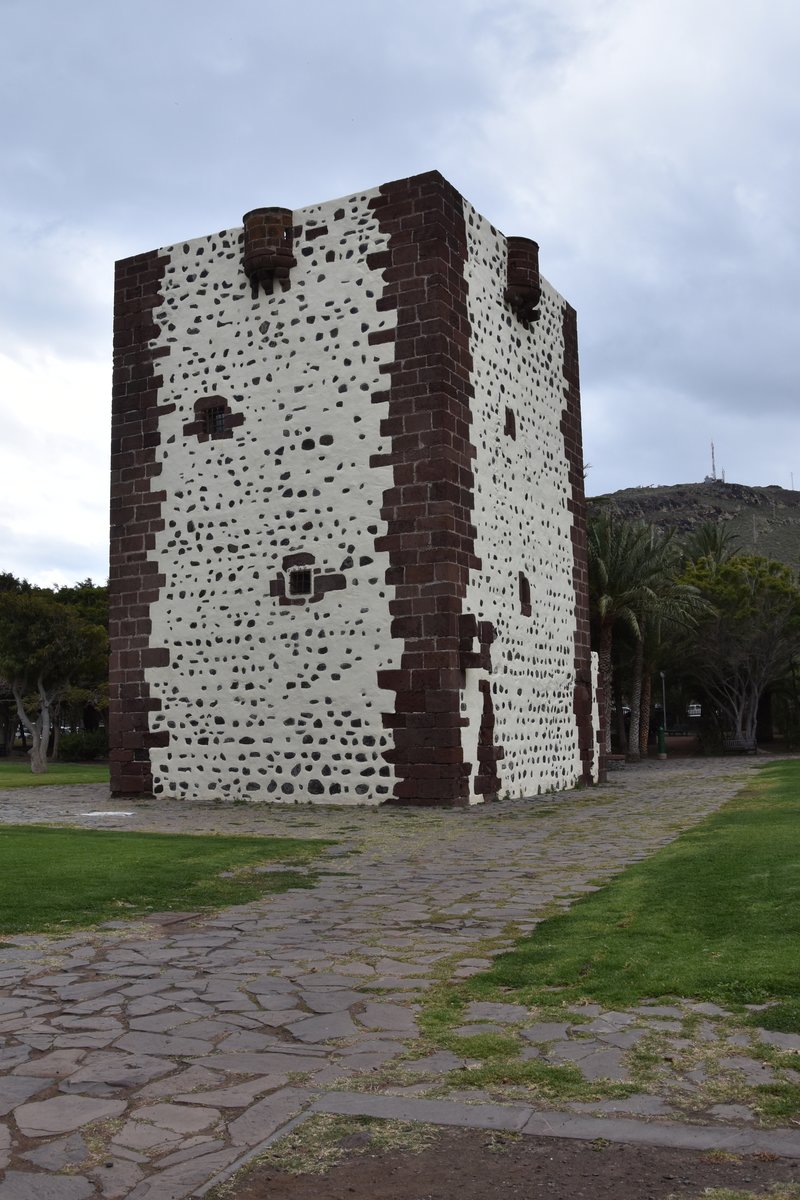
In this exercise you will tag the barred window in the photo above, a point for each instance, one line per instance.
(214, 419)
(300, 582)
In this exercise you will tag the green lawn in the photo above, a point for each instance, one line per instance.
(60, 879)
(715, 916)
(16, 772)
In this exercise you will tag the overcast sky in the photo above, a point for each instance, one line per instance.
(649, 146)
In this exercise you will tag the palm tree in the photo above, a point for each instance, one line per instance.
(633, 584)
(618, 590)
(713, 541)
(673, 606)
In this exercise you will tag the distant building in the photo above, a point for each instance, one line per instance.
(348, 552)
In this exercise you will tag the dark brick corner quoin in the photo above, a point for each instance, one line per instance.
(573, 448)
(136, 502)
(430, 537)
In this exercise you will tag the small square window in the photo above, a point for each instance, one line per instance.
(214, 419)
(300, 582)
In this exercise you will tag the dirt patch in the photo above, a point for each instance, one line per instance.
(474, 1165)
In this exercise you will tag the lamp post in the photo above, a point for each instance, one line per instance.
(662, 733)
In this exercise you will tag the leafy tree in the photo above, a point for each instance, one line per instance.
(8, 717)
(750, 637)
(84, 701)
(10, 583)
(43, 644)
(90, 601)
(8, 713)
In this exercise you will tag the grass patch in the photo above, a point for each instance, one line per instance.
(496, 1065)
(780, 1191)
(779, 1101)
(444, 1009)
(60, 879)
(483, 1045)
(16, 773)
(781, 1018)
(715, 915)
(325, 1140)
(539, 1079)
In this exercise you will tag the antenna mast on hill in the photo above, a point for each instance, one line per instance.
(713, 463)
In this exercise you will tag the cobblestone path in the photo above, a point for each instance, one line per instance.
(147, 1059)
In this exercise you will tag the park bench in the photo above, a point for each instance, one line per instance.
(742, 744)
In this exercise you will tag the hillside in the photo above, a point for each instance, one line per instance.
(766, 520)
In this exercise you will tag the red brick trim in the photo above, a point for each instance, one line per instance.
(487, 781)
(573, 448)
(430, 537)
(134, 581)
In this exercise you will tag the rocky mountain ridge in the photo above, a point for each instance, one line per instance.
(765, 520)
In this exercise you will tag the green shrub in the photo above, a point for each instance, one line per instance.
(83, 746)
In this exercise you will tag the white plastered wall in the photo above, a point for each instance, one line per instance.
(595, 718)
(264, 701)
(523, 524)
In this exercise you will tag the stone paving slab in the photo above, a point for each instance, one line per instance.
(62, 1114)
(14, 1090)
(434, 1112)
(480, 1010)
(267, 1115)
(783, 1142)
(185, 1043)
(546, 1031)
(64, 1152)
(18, 1185)
(526, 1120)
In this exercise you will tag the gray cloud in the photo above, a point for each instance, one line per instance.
(650, 148)
(52, 557)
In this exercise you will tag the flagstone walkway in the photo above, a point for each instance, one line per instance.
(147, 1059)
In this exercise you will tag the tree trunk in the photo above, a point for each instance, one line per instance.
(56, 738)
(622, 737)
(43, 726)
(644, 719)
(38, 729)
(750, 721)
(606, 679)
(9, 727)
(634, 751)
(38, 757)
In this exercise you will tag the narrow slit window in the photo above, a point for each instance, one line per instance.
(525, 595)
(214, 419)
(511, 425)
(300, 582)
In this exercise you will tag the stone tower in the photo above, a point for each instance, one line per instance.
(348, 554)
